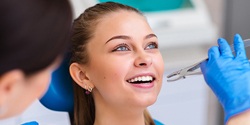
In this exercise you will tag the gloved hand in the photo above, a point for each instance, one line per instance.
(229, 76)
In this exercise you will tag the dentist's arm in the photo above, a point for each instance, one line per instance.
(229, 78)
(241, 119)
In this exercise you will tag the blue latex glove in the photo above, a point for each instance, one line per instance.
(229, 76)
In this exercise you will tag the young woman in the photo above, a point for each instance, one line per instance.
(116, 65)
(34, 36)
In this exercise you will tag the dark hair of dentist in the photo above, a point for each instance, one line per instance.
(34, 36)
(33, 33)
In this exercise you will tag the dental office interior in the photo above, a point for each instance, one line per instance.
(186, 29)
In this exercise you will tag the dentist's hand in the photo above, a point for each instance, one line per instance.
(229, 76)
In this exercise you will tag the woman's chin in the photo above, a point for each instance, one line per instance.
(147, 101)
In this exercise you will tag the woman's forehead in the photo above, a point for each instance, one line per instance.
(121, 22)
(127, 23)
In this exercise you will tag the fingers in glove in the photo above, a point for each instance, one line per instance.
(239, 47)
(213, 53)
(224, 48)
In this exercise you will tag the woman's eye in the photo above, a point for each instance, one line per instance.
(122, 47)
(152, 45)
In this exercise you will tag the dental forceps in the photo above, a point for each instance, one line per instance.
(192, 70)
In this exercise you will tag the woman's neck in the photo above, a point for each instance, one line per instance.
(112, 118)
(105, 115)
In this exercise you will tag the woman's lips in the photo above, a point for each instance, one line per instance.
(145, 80)
(143, 85)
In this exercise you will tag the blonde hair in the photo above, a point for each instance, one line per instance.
(83, 29)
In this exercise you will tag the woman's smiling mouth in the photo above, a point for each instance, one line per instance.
(141, 80)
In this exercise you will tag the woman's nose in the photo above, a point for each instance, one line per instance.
(143, 60)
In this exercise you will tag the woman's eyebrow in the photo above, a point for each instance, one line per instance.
(150, 36)
(127, 37)
(118, 37)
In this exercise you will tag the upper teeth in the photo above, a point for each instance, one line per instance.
(141, 78)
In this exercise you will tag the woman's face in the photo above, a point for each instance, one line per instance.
(126, 66)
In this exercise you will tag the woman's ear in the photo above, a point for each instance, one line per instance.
(78, 74)
(9, 84)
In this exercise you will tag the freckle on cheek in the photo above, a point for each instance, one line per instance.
(104, 77)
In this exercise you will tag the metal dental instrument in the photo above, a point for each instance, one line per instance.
(192, 70)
